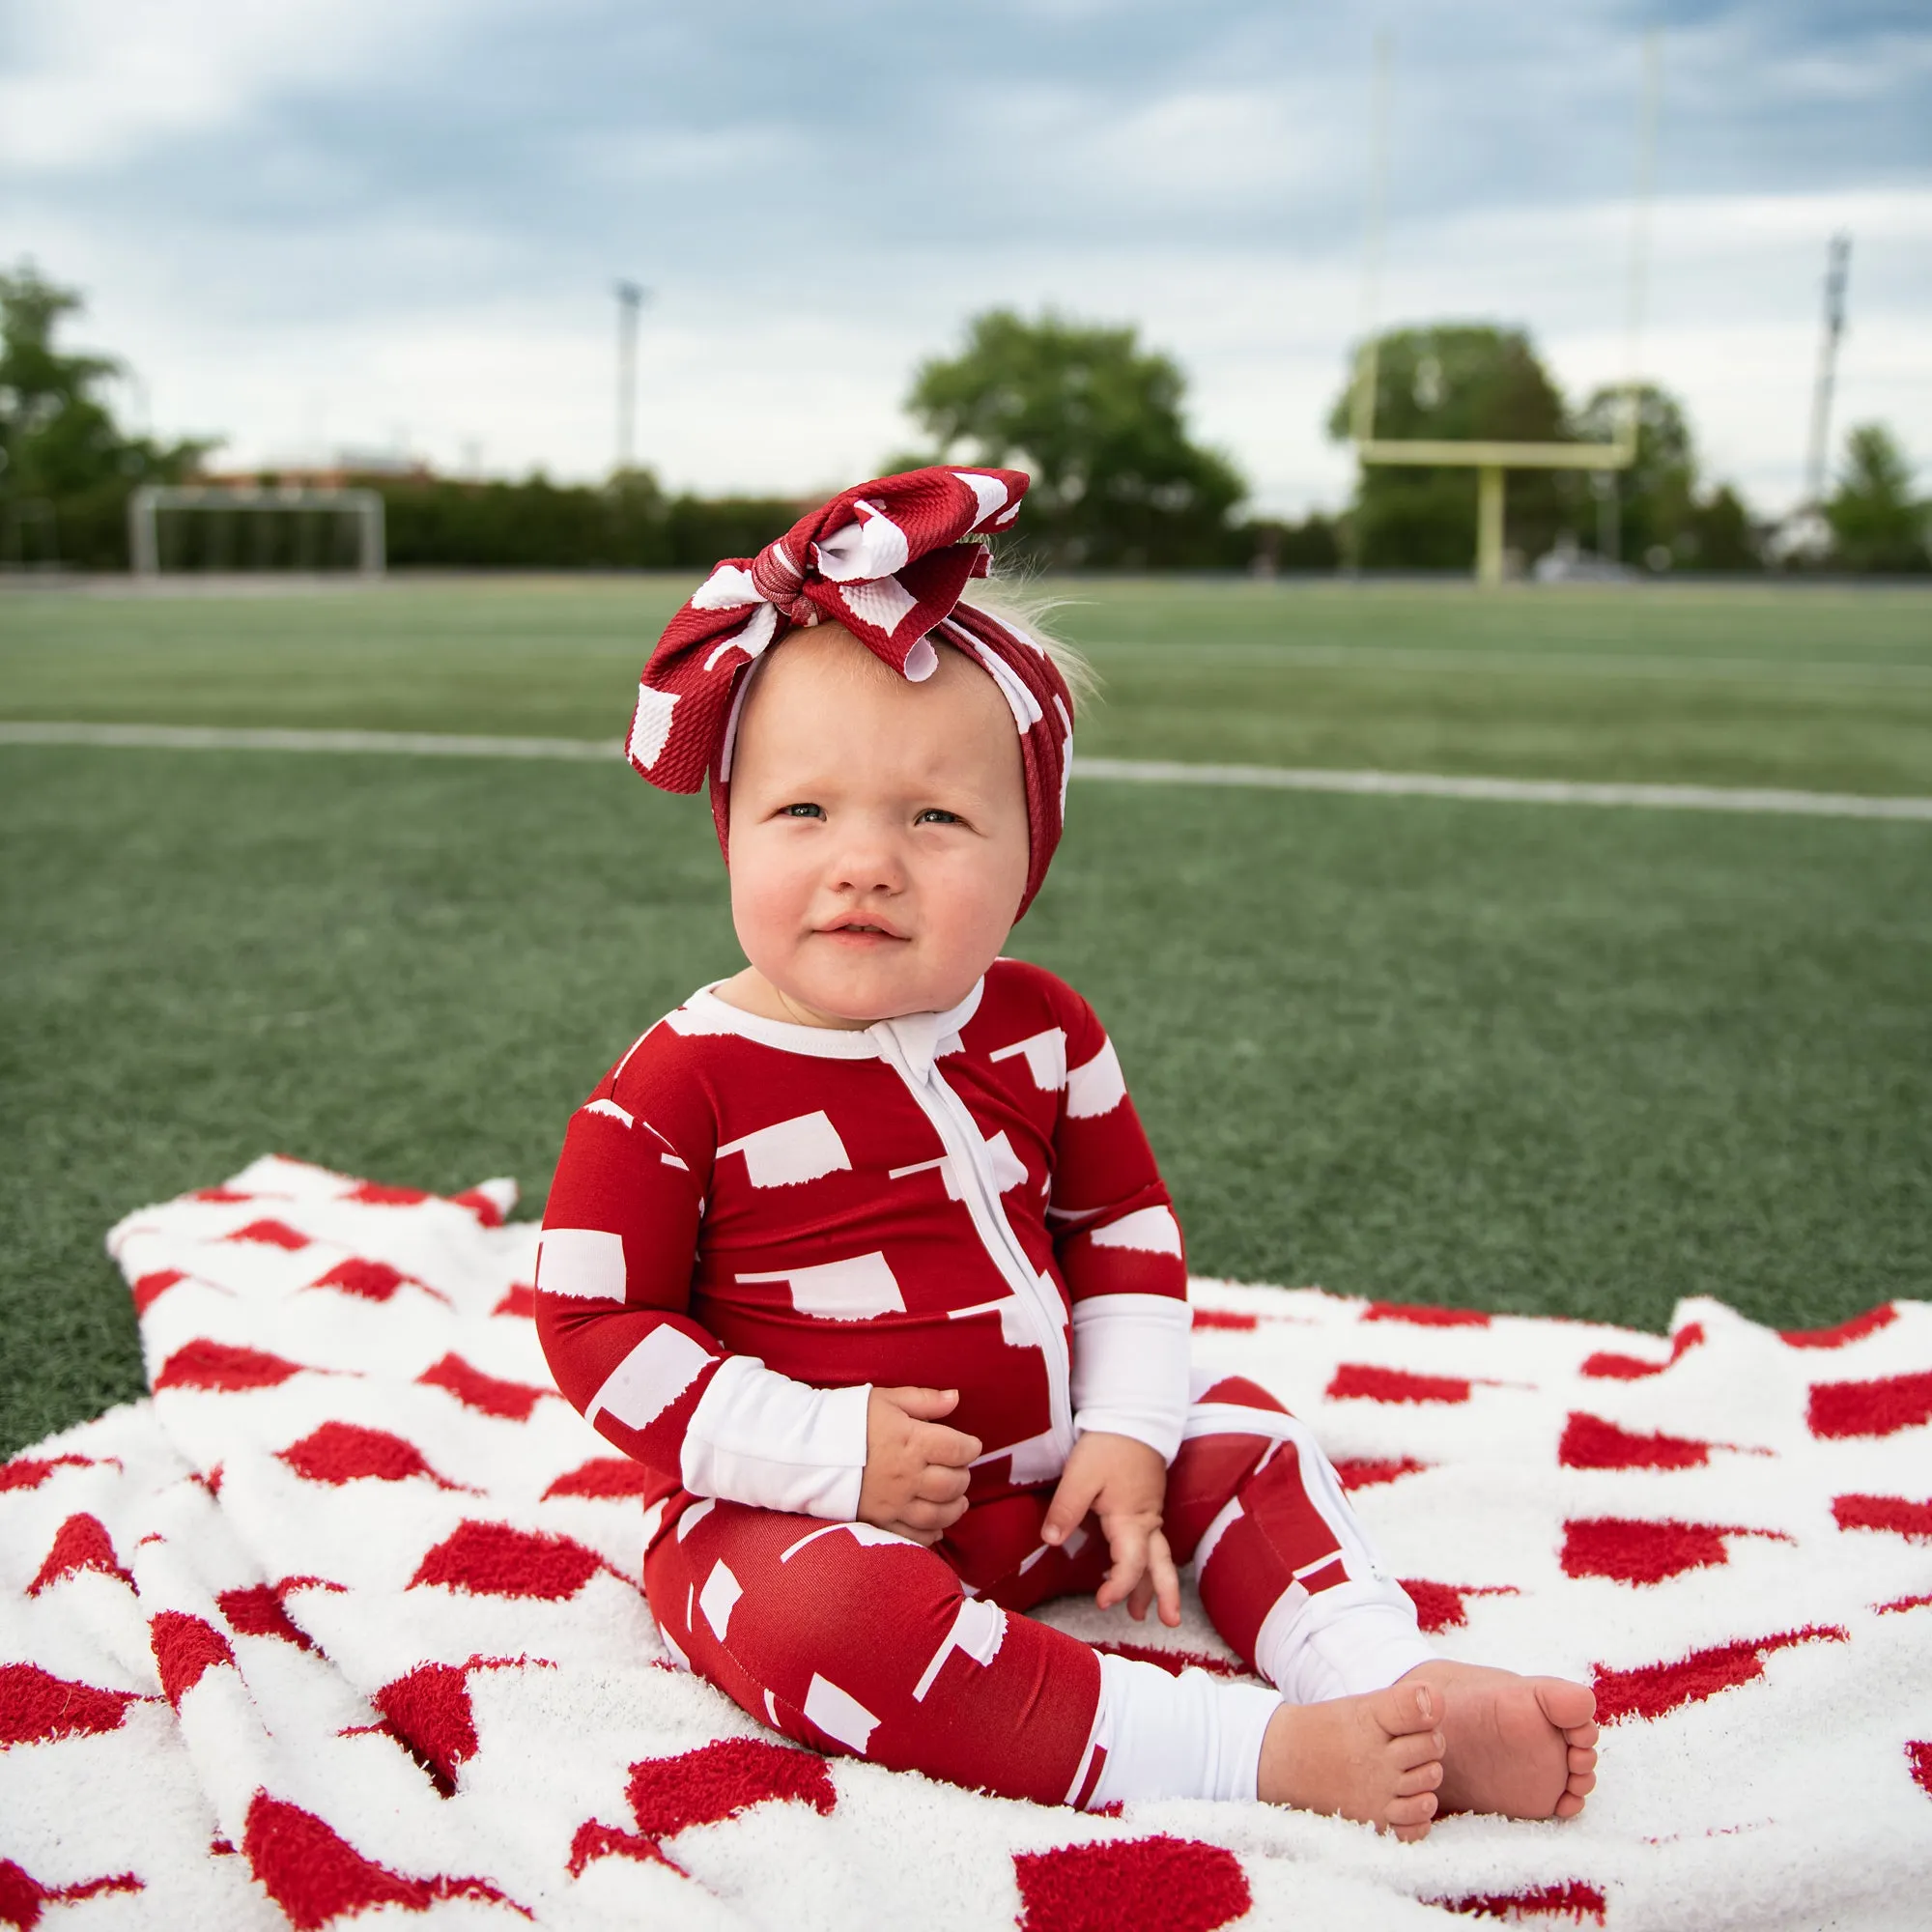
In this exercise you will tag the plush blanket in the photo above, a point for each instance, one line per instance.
(345, 1619)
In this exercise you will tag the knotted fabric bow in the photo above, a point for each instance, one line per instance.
(890, 560)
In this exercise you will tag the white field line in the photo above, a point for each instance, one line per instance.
(1508, 792)
(261, 738)
(1123, 771)
(1555, 664)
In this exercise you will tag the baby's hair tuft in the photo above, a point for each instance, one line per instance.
(1021, 607)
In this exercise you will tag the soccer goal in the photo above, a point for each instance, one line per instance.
(255, 528)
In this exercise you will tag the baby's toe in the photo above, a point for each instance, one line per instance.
(1581, 1759)
(1424, 1777)
(1406, 1710)
(1416, 1747)
(1569, 1804)
(1406, 1813)
(1568, 1706)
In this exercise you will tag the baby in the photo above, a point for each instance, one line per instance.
(863, 1254)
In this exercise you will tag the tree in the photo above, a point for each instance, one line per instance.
(1456, 382)
(1097, 420)
(1875, 521)
(1661, 512)
(68, 467)
(1655, 495)
(1721, 533)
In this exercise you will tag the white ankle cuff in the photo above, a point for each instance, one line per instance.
(1190, 1736)
(1339, 1643)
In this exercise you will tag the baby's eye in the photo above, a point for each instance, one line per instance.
(933, 814)
(802, 811)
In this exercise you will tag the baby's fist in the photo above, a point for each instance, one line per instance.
(917, 1469)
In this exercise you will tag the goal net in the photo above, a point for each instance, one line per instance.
(254, 528)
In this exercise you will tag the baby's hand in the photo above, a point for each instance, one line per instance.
(1124, 1483)
(916, 1468)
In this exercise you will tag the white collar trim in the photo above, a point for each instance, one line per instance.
(924, 1037)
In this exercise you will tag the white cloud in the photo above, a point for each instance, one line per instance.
(310, 224)
(90, 83)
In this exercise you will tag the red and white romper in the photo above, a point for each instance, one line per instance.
(753, 1223)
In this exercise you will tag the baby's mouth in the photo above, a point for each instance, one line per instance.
(861, 929)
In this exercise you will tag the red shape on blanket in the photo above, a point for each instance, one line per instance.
(1880, 1407)
(1918, 1755)
(81, 1542)
(37, 1707)
(1613, 1367)
(1360, 1380)
(491, 1559)
(1897, 1514)
(1420, 1316)
(1573, 1901)
(1655, 1689)
(316, 1875)
(150, 1289)
(372, 1281)
(221, 1365)
(703, 1787)
(473, 1389)
(519, 1298)
(1633, 1549)
(1155, 1885)
(379, 1194)
(1224, 1317)
(219, 1194)
(29, 1472)
(602, 1476)
(270, 1234)
(1174, 1662)
(1854, 1330)
(23, 1897)
(259, 1611)
(474, 1201)
(668, 1795)
(1439, 1606)
(1367, 1472)
(186, 1648)
(1591, 1443)
(346, 1452)
(427, 1712)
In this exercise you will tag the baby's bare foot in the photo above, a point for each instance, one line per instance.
(1521, 1745)
(1377, 1759)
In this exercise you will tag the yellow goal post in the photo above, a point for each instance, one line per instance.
(1492, 461)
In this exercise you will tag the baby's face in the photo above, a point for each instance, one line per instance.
(878, 830)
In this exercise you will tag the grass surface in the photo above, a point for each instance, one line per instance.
(1575, 1062)
(1819, 689)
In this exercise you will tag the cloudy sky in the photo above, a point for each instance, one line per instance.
(379, 223)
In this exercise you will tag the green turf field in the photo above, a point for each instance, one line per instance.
(1818, 689)
(1542, 1058)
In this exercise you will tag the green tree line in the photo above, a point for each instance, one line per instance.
(1095, 415)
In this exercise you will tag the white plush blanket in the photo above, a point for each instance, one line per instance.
(345, 1620)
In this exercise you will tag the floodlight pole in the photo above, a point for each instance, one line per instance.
(631, 299)
(1837, 269)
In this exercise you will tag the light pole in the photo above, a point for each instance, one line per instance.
(1838, 267)
(631, 299)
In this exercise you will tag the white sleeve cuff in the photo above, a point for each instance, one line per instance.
(1130, 1364)
(760, 1437)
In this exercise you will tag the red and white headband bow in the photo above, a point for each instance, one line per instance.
(888, 561)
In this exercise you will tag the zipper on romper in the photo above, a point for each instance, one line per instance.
(960, 1136)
